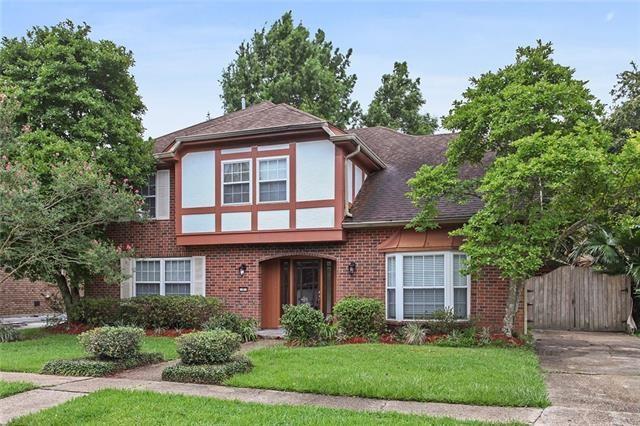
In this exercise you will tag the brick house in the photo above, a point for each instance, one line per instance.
(270, 206)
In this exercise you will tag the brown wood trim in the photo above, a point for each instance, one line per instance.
(254, 188)
(242, 141)
(218, 189)
(198, 210)
(297, 236)
(339, 188)
(292, 185)
(177, 190)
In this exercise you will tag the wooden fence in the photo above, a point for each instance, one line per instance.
(573, 298)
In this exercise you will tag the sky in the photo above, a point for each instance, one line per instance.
(181, 47)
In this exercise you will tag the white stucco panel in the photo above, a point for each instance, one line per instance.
(273, 219)
(315, 171)
(192, 223)
(320, 217)
(240, 221)
(198, 174)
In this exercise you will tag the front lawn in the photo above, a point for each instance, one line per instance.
(12, 388)
(480, 376)
(115, 407)
(40, 346)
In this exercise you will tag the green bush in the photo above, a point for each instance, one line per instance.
(112, 342)
(459, 339)
(207, 347)
(302, 323)
(8, 333)
(442, 321)
(412, 333)
(92, 367)
(148, 312)
(246, 328)
(359, 317)
(212, 374)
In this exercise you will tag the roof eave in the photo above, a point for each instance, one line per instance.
(356, 141)
(401, 222)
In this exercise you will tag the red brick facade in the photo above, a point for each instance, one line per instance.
(23, 297)
(157, 239)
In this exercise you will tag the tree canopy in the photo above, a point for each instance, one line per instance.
(625, 114)
(397, 102)
(549, 168)
(285, 64)
(78, 100)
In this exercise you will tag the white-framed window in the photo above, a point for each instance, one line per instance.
(148, 192)
(236, 182)
(418, 284)
(273, 179)
(166, 277)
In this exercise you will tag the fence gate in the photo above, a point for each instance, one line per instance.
(574, 298)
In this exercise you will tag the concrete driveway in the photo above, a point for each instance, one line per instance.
(593, 378)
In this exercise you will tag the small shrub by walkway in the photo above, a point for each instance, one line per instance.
(113, 407)
(478, 376)
(12, 388)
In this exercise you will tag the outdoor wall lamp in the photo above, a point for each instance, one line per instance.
(351, 268)
(242, 269)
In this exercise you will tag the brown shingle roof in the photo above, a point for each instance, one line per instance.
(382, 197)
(262, 115)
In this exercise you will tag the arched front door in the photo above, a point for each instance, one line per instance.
(294, 281)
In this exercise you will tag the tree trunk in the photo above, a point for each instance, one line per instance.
(513, 301)
(70, 295)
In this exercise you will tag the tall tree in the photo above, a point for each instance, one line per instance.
(284, 64)
(625, 114)
(537, 131)
(78, 98)
(396, 104)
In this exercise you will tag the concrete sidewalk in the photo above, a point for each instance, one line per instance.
(55, 390)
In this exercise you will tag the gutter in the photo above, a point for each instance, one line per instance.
(392, 222)
(357, 142)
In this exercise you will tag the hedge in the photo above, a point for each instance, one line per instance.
(359, 317)
(302, 323)
(148, 311)
(112, 342)
(92, 367)
(211, 374)
(207, 347)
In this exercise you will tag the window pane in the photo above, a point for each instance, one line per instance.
(460, 302)
(147, 289)
(236, 193)
(273, 191)
(150, 187)
(148, 192)
(148, 271)
(459, 280)
(177, 270)
(391, 303)
(391, 272)
(421, 303)
(273, 169)
(423, 271)
(177, 289)
(236, 172)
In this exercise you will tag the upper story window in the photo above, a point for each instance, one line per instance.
(236, 182)
(149, 194)
(419, 284)
(272, 180)
(170, 277)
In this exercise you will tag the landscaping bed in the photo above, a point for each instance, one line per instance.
(118, 407)
(479, 376)
(12, 388)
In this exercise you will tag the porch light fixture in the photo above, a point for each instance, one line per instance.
(351, 268)
(242, 269)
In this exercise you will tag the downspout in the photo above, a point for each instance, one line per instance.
(346, 180)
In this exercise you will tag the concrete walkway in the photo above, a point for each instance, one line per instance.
(593, 378)
(55, 390)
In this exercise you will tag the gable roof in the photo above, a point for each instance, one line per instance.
(383, 194)
(260, 116)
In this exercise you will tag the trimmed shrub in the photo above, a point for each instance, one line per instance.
(112, 342)
(302, 323)
(148, 312)
(92, 367)
(212, 374)
(442, 321)
(246, 328)
(359, 317)
(8, 333)
(207, 347)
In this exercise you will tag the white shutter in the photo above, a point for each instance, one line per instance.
(126, 288)
(198, 287)
(162, 194)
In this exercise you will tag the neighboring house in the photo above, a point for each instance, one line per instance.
(270, 206)
(24, 297)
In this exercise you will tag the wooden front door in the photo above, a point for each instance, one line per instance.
(271, 294)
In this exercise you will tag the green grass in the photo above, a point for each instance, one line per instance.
(39, 346)
(12, 388)
(480, 376)
(116, 407)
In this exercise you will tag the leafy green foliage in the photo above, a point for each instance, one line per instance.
(359, 317)
(442, 321)
(8, 333)
(284, 64)
(246, 328)
(91, 367)
(459, 339)
(112, 342)
(396, 104)
(302, 323)
(412, 333)
(625, 114)
(149, 312)
(211, 374)
(77, 100)
(207, 347)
